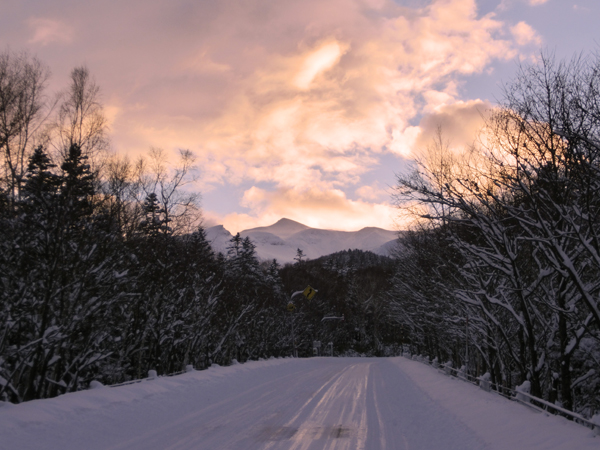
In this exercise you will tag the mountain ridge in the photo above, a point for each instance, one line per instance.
(282, 240)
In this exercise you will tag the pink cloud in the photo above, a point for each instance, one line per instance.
(304, 95)
(48, 31)
(460, 124)
(524, 34)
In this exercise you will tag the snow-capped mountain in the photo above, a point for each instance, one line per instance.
(282, 240)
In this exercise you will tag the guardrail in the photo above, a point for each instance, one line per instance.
(152, 375)
(518, 395)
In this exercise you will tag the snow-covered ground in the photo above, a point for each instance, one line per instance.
(317, 403)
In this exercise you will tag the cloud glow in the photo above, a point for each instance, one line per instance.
(48, 31)
(524, 34)
(317, 62)
(303, 95)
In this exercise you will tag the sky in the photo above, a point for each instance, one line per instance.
(304, 109)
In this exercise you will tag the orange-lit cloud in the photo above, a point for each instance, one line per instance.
(316, 62)
(47, 31)
(304, 96)
(373, 193)
(524, 34)
(311, 113)
(313, 110)
(459, 124)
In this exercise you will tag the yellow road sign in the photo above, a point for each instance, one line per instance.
(291, 307)
(309, 293)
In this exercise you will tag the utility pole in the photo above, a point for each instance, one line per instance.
(294, 351)
(402, 340)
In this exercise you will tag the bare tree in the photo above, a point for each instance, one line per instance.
(181, 207)
(22, 113)
(81, 118)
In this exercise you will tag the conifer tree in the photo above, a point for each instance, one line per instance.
(155, 222)
(77, 183)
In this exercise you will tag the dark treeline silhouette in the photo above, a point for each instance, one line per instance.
(105, 271)
(95, 290)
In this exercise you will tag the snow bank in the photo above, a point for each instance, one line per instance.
(501, 423)
(68, 421)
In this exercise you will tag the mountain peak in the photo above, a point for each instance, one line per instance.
(284, 221)
(283, 228)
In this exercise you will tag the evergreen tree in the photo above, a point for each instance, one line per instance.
(77, 184)
(40, 181)
(299, 256)
(155, 223)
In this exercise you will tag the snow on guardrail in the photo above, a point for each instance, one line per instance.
(152, 375)
(520, 394)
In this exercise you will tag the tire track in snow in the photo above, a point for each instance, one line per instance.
(335, 417)
(231, 423)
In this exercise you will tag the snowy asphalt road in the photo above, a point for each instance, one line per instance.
(338, 404)
(317, 403)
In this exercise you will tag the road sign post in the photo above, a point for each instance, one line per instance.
(308, 293)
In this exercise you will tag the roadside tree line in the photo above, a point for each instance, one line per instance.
(502, 271)
(105, 270)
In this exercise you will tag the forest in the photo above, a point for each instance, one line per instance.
(106, 272)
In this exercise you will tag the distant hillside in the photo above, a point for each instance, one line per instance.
(282, 240)
(358, 259)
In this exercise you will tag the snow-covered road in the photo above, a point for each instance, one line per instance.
(317, 403)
